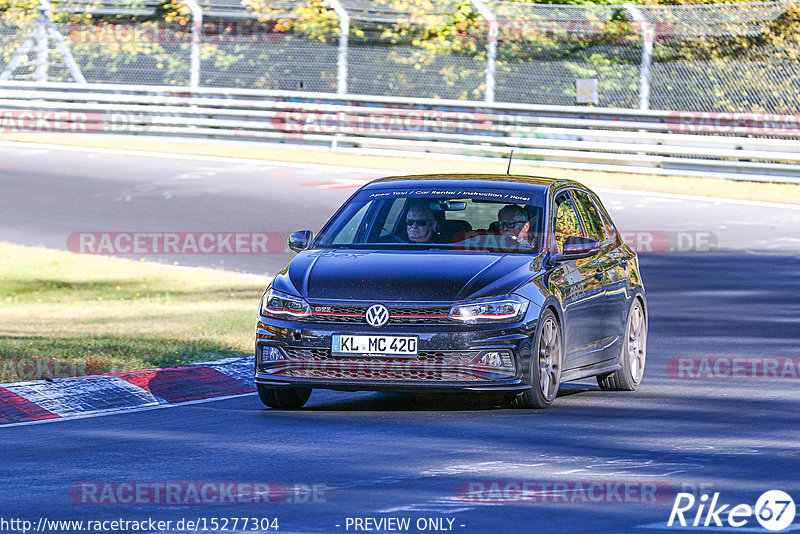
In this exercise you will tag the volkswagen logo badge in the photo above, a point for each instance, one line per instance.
(377, 315)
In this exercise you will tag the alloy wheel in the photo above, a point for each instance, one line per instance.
(636, 343)
(549, 358)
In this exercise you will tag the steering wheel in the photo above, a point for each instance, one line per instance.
(395, 237)
(398, 239)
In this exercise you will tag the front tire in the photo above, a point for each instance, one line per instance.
(283, 398)
(546, 361)
(634, 351)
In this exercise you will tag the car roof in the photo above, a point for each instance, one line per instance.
(491, 181)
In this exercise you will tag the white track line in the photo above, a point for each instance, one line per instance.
(193, 157)
(251, 161)
(698, 198)
(121, 411)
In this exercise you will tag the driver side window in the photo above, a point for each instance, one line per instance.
(566, 221)
(347, 234)
(393, 226)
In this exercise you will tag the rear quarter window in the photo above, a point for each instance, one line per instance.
(590, 216)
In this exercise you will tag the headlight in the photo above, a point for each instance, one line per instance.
(277, 304)
(507, 308)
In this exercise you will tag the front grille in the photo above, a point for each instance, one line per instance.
(296, 353)
(424, 357)
(419, 316)
(397, 315)
(339, 314)
(365, 373)
(428, 366)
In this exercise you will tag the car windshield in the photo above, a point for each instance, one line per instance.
(488, 220)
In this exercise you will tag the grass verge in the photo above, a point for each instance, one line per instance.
(67, 314)
(711, 187)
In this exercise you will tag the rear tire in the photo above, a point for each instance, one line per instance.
(634, 352)
(545, 367)
(283, 398)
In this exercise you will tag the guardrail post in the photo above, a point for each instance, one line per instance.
(197, 28)
(45, 30)
(491, 47)
(42, 51)
(344, 41)
(648, 37)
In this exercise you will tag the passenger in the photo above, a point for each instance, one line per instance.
(421, 224)
(513, 222)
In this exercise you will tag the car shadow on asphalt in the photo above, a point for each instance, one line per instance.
(427, 402)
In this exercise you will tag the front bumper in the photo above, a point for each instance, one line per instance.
(445, 362)
(511, 386)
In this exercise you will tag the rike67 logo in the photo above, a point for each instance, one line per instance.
(774, 510)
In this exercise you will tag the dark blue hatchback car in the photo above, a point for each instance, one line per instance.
(455, 283)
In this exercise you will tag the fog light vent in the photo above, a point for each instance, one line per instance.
(500, 359)
(271, 354)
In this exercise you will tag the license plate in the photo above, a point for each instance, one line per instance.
(397, 346)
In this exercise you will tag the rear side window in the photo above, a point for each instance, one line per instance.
(611, 230)
(592, 222)
(566, 222)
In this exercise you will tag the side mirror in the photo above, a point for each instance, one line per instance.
(299, 241)
(576, 247)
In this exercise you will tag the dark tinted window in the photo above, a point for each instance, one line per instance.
(592, 223)
(566, 220)
(446, 218)
(611, 230)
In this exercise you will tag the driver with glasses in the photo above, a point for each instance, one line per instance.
(513, 222)
(421, 224)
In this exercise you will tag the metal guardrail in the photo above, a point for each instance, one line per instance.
(739, 56)
(734, 146)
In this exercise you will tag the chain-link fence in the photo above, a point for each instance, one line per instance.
(268, 45)
(398, 50)
(722, 57)
(544, 49)
(734, 57)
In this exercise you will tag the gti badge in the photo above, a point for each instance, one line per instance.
(377, 315)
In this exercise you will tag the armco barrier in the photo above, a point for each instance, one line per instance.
(734, 146)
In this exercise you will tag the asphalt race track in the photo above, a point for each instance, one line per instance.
(49, 194)
(370, 455)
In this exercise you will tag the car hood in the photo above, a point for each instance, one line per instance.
(424, 276)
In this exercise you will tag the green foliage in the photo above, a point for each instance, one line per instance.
(111, 314)
(437, 49)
